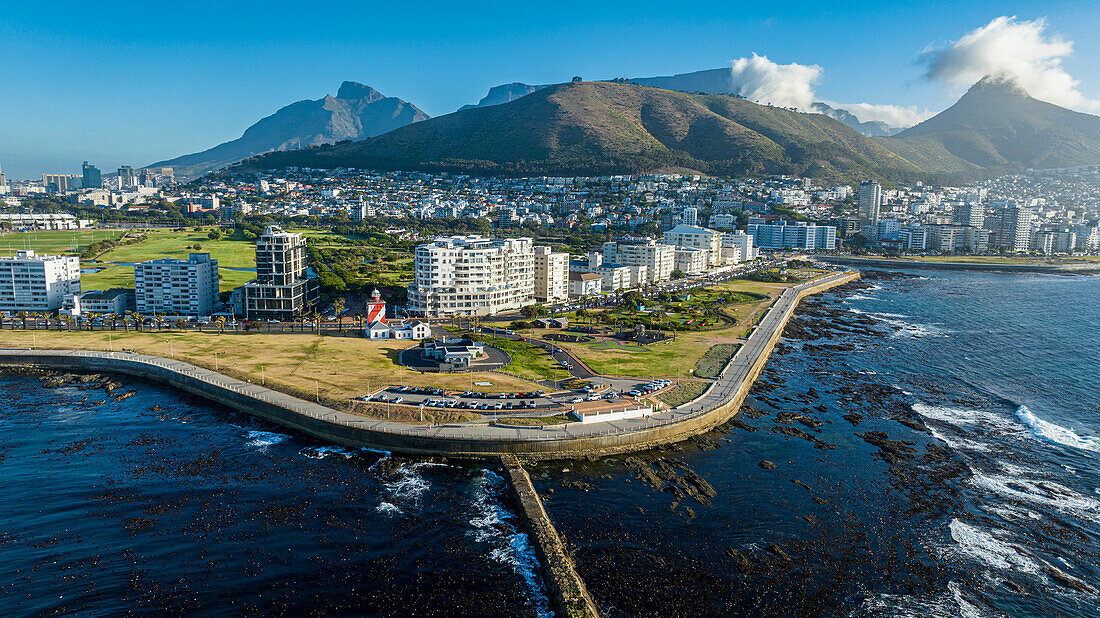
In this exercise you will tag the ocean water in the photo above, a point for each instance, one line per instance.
(984, 390)
(164, 504)
(920, 444)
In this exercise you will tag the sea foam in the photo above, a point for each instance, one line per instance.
(1057, 434)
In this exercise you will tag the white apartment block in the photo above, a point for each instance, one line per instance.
(693, 237)
(658, 259)
(30, 282)
(691, 260)
(177, 287)
(551, 275)
(472, 275)
(741, 241)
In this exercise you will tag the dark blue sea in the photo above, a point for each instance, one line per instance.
(921, 444)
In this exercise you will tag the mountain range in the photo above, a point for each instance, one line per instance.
(709, 81)
(599, 128)
(356, 112)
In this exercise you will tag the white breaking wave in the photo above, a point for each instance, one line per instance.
(407, 486)
(321, 452)
(492, 524)
(950, 605)
(1057, 434)
(264, 439)
(1042, 492)
(388, 508)
(988, 549)
(966, 417)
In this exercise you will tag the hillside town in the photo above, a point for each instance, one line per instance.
(638, 232)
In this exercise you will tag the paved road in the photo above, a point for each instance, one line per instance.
(721, 391)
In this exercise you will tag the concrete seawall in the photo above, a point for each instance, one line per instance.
(480, 442)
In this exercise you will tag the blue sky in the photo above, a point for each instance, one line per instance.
(128, 83)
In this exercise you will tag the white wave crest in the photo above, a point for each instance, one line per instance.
(988, 549)
(263, 439)
(407, 485)
(320, 452)
(1057, 434)
(388, 508)
(1042, 492)
(492, 524)
(950, 605)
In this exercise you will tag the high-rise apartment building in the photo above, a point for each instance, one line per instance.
(472, 275)
(690, 216)
(3, 181)
(741, 241)
(177, 287)
(1011, 225)
(870, 203)
(701, 238)
(658, 259)
(283, 289)
(802, 236)
(969, 213)
(551, 275)
(93, 179)
(30, 282)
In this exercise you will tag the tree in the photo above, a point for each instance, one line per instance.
(678, 274)
(22, 315)
(214, 234)
(180, 323)
(338, 309)
(220, 323)
(577, 79)
(159, 320)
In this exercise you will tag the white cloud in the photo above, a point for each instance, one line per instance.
(1007, 47)
(783, 85)
(895, 116)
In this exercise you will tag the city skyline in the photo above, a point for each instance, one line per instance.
(144, 99)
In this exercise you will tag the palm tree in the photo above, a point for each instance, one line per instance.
(126, 321)
(22, 315)
(159, 319)
(139, 320)
(220, 323)
(113, 317)
(91, 317)
(64, 320)
(338, 309)
(180, 323)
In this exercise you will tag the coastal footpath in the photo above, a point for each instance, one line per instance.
(476, 441)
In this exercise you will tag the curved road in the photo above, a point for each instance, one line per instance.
(721, 391)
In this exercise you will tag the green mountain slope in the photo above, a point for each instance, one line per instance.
(598, 128)
(997, 128)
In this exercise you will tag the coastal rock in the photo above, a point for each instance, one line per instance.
(767, 465)
(853, 417)
(740, 561)
(890, 451)
(798, 433)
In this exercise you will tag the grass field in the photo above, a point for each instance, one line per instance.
(337, 368)
(677, 357)
(168, 243)
(53, 242)
(528, 360)
(683, 392)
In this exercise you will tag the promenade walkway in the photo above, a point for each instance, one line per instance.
(733, 381)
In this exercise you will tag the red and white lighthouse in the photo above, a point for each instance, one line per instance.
(376, 309)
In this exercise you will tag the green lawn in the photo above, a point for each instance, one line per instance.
(113, 277)
(528, 360)
(53, 241)
(683, 392)
(715, 359)
(161, 244)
